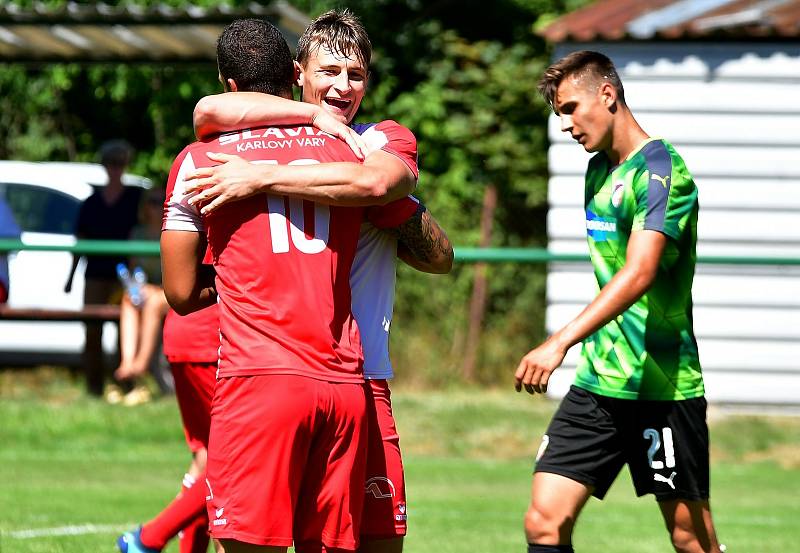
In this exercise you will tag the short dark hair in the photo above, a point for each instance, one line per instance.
(115, 153)
(583, 63)
(254, 53)
(341, 32)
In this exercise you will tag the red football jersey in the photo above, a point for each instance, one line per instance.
(283, 265)
(391, 137)
(193, 338)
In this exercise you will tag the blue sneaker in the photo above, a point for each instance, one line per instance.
(130, 542)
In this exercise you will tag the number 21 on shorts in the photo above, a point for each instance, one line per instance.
(655, 444)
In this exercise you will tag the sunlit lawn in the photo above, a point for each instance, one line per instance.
(73, 464)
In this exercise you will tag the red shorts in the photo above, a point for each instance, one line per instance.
(385, 489)
(286, 461)
(194, 388)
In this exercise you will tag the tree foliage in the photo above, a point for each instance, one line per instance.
(463, 77)
(461, 74)
(65, 111)
(480, 123)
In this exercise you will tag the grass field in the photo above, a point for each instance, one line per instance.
(76, 472)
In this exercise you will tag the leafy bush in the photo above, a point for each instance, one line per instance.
(461, 75)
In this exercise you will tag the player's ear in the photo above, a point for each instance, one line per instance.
(232, 86)
(608, 95)
(299, 74)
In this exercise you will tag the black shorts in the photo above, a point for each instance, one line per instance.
(664, 443)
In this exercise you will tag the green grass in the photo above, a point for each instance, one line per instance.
(68, 460)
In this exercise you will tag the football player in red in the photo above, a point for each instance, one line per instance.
(286, 445)
(332, 64)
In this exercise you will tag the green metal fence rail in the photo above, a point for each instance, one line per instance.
(87, 247)
(463, 255)
(542, 255)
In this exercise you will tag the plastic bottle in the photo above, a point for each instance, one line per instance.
(140, 278)
(133, 284)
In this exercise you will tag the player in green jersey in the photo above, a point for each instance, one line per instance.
(637, 398)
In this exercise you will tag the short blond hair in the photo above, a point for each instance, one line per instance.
(341, 32)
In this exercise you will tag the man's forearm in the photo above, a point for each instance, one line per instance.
(622, 291)
(337, 183)
(340, 183)
(232, 111)
(424, 245)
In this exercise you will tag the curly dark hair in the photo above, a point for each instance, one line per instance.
(255, 55)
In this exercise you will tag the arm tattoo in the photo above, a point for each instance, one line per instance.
(423, 236)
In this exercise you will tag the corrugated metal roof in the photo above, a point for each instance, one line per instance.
(100, 32)
(679, 20)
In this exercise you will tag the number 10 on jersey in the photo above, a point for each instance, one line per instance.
(280, 222)
(280, 231)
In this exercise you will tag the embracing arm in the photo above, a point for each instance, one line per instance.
(188, 284)
(622, 291)
(233, 111)
(382, 178)
(423, 244)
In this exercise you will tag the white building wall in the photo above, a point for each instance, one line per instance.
(733, 112)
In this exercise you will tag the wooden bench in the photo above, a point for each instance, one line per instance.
(89, 313)
(97, 313)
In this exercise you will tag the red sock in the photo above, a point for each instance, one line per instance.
(189, 505)
(194, 537)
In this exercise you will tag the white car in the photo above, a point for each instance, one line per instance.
(45, 198)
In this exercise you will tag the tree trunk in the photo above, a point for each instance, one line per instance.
(477, 306)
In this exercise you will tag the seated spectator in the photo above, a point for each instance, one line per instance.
(108, 214)
(140, 324)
